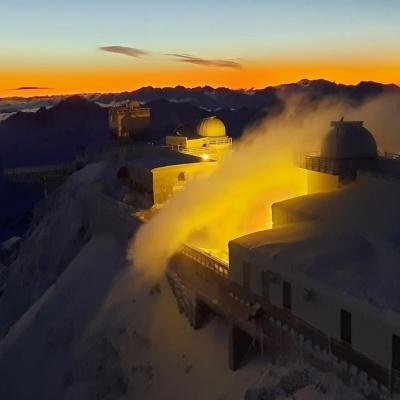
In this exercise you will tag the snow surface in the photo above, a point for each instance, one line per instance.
(101, 332)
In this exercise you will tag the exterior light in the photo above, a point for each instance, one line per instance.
(205, 157)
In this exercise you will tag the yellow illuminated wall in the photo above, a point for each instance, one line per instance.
(168, 180)
(321, 182)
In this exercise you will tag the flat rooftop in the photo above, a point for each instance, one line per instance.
(158, 157)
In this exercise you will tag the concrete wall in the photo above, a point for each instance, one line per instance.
(321, 182)
(168, 180)
(372, 328)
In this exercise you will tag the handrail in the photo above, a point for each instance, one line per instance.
(207, 260)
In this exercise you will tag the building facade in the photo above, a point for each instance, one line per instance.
(129, 122)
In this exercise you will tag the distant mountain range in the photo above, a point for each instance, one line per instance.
(56, 129)
(213, 98)
(65, 126)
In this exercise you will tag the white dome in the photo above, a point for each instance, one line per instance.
(349, 139)
(211, 127)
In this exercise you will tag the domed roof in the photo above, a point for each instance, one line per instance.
(349, 139)
(211, 127)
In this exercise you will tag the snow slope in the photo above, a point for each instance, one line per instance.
(101, 332)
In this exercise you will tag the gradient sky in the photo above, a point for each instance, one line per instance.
(54, 44)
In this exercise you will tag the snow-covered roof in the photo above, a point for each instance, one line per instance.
(162, 158)
(370, 205)
(351, 242)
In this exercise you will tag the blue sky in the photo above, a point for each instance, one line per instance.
(233, 28)
(46, 36)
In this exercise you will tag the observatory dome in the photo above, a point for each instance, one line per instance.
(349, 139)
(211, 127)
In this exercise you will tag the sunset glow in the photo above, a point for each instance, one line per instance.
(250, 44)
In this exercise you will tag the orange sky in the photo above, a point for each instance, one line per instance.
(85, 80)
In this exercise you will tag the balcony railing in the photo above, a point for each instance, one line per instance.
(333, 166)
(219, 140)
(199, 151)
(207, 260)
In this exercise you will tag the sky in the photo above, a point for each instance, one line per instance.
(60, 47)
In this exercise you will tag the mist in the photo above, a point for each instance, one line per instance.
(236, 199)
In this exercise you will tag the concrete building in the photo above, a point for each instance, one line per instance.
(129, 122)
(330, 262)
(208, 140)
(158, 173)
(322, 284)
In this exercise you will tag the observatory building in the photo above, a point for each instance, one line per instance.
(129, 122)
(323, 283)
(347, 148)
(208, 140)
(158, 173)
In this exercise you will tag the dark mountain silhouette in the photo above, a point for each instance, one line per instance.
(215, 98)
(79, 124)
(53, 135)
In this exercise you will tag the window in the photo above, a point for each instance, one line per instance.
(345, 326)
(287, 295)
(181, 177)
(396, 352)
(246, 274)
(265, 284)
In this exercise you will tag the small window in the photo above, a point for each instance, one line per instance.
(396, 352)
(265, 284)
(287, 295)
(246, 274)
(345, 326)
(181, 177)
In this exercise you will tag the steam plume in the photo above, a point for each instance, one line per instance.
(237, 198)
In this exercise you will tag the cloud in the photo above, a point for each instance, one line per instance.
(185, 58)
(127, 51)
(30, 88)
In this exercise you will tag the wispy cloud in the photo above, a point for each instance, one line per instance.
(221, 63)
(127, 51)
(183, 58)
(30, 88)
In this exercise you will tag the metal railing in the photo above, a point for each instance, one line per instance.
(219, 140)
(207, 260)
(333, 166)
